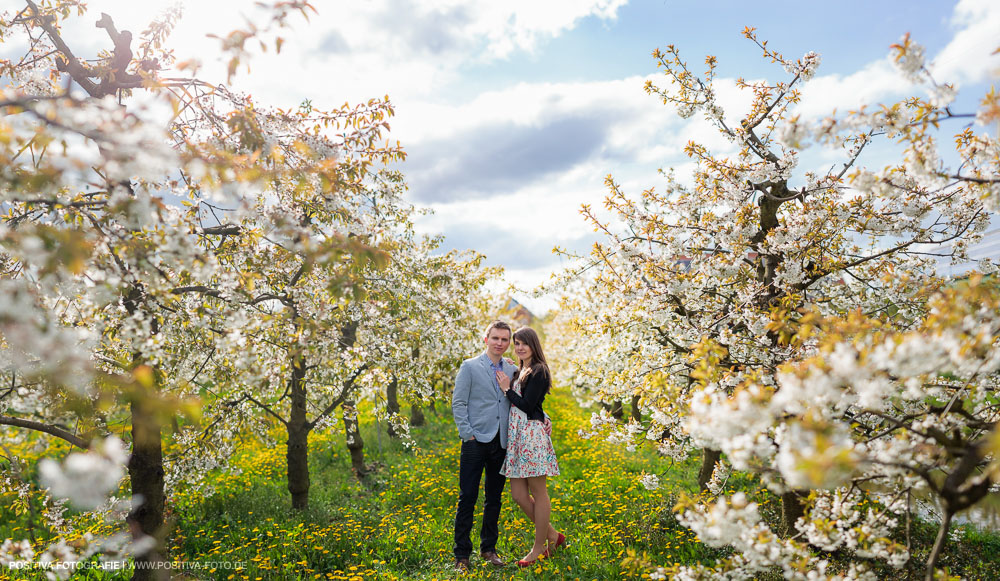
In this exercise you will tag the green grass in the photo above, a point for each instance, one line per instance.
(397, 524)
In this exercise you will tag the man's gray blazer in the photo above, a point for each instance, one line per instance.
(479, 407)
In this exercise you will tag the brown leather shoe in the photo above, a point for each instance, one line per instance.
(492, 558)
(463, 565)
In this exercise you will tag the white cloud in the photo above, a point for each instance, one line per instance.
(526, 104)
(467, 29)
(966, 59)
(416, 51)
(549, 211)
(518, 222)
(353, 50)
(969, 57)
(503, 141)
(877, 81)
(522, 24)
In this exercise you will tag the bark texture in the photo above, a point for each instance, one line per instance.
(417, 418)
(297, 448)
(392, 404)
(355, 444)
(145, 469)
(708, 461)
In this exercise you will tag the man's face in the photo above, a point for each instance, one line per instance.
(497, 341)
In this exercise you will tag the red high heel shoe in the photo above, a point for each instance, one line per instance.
(560, 541)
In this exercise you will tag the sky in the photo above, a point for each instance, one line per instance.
(512, 113)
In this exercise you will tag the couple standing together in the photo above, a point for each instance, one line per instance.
(504, 442)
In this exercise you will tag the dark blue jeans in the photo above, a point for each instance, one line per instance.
(476, 458)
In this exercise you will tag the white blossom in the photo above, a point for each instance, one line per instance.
(86, 478)
(650, 481)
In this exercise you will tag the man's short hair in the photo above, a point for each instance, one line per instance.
(498, 325)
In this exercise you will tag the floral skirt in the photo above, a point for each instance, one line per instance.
(529, 449)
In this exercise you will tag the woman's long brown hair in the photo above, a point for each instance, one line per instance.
(529, 337)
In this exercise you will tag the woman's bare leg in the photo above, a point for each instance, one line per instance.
(519, 492)
(541, 516)
(522, 496)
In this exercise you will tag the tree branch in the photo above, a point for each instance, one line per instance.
(348, 383)
(73, 66)
(222, 230)
(974, 180)
(197, 289)
(46, 428)
(266, 409)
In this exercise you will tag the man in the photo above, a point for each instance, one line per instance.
(481, 412)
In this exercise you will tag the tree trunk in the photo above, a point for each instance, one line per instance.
(145, 469)
(791, 510)
(145, 465)
(767, 267)
(942, 538)
(616, 409)
(354, 442)
(392, 404)
(297, 448)
(708, 462)
(417, 418)
(958, 494)
(636, 412)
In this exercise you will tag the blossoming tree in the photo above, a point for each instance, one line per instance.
(91, 248)
(169, 247)
(774, 313)
(322, 330)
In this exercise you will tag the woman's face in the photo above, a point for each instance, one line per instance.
(522, 350)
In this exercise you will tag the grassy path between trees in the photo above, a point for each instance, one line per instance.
(398, 525)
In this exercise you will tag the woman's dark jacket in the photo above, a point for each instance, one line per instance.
(532, 394)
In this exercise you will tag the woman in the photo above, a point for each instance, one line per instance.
(530, 455)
